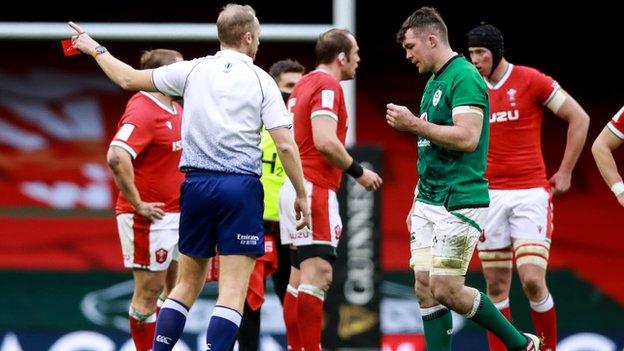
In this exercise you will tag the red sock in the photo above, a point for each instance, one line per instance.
(142, 334)
(544, 318)
(290, 319)
(493, 340)
(310, 304)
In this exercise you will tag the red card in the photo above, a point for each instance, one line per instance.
(68, 48)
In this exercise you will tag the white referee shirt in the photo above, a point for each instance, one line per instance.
(227, 99)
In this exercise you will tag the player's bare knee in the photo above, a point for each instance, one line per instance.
(497, 290)
(295, 277)
(144, 299)
(151, 292)
(533, 279)
(424, 296)
(189, 287)
(317, 272)
(327, 283)
(534, 286)
(442, 292)
(421, 280)
(234, 293)
(443, 296)
(325, 275)
(422, 289)
(147, 287)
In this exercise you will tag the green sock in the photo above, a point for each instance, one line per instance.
(438, 325)
(489, 317)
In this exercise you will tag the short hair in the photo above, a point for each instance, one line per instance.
(421, 19)
(158, 57)
(234, 21)
(285, 66)
(331, 43)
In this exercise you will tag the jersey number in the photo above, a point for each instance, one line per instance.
(273, 161)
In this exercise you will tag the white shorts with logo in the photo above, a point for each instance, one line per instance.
(442, 241)
(325, 216)
(147, 245)
(517, 214)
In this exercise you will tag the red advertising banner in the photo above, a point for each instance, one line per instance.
(62, 243)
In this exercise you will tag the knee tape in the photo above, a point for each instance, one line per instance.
(448, 266)
(452, 253)
(530, 251)
(496, 258)
(421, 259)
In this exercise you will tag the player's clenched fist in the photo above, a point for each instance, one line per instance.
(400, 117)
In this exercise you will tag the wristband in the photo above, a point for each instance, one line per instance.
(618, 188)
(356, 170)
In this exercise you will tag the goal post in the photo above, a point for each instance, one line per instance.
(343, 16)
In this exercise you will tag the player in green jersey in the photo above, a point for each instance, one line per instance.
(451, 201)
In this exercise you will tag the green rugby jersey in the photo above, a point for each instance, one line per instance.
(451, 178)
(273, 176)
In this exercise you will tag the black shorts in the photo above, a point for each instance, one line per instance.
(302, 253)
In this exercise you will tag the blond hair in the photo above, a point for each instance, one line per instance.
(234, 21)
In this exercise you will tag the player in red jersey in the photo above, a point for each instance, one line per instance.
(144, 157)
(610, 139)
(320, 125)
(520, 217)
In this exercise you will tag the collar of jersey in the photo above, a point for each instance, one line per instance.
(448, 63)
(501, 81)
(234, 53)
(172, 110)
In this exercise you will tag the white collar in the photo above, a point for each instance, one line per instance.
(502, 80)
(234, 53)
(172, 110)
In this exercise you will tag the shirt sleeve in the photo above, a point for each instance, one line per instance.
(135, 129)
(616, 124)
(326, 100)
(544, 87)
(274, 113)
(171, 79)
(469, 90)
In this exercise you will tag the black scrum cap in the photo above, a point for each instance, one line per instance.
(489, 37)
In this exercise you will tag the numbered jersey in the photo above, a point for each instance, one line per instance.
(517, 104)
(317, 94)
(616, 125)
(273, 176)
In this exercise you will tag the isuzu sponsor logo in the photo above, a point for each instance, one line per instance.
(299, 235)
(504, 116)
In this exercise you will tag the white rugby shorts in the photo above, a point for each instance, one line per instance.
(517, 214)
(442, 241)
(326, 224)
(147, 245)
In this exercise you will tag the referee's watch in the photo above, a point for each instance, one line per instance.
(98, 50)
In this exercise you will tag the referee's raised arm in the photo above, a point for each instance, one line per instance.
(118, 71)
